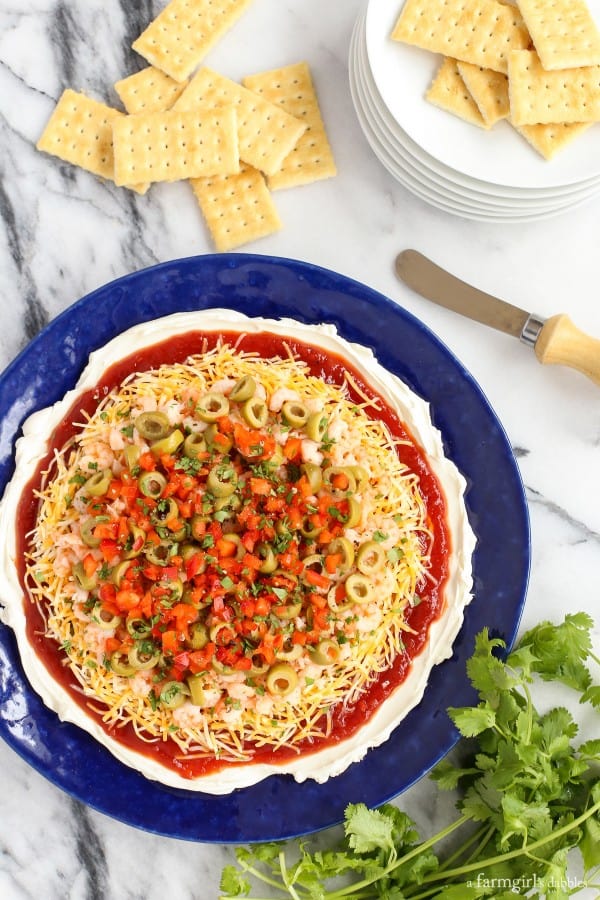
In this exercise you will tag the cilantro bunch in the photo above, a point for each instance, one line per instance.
(529, 798)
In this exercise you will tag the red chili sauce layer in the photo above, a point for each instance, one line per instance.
(332, 369)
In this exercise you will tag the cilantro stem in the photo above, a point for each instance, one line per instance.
(530, 711)
(261, 877)
(513, 854)
(475, 837)
(351, 890)
(284, 876)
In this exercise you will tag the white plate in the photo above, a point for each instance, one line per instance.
(500, 156)
(446, 177)
(456, 190)
(420, 189)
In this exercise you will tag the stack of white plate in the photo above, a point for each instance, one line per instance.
(491, 176)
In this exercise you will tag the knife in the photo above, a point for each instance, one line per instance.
(555, 340)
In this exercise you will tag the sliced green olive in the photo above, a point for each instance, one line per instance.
(196, 686)
(139, 628)
(194, 445)
(198, 526)
(315, 562)
(174, 694)
(222, 480)
(291, 579)
(268, 559)
(192, 597)
(337, 607)
(354, 514)
(277, 457)
(283, 529)
(343, 474)
(186, 551)
(85, 581)
(259, 665)
(105, 620)
(169, 444)
(216, 440)
(233, 502)
(370, 557)
(198, 636)
(361, 476)
(165, 510)
(87, 530)
(219, 667)
(255, 412)
(132, 456)
(281, 679)
(212, 407)
(143, 657)
(326, 653)
(358, 588)
(345, 548)
(152, 484)
(135, 542)
(243, 390)
(316, 426)
(308, 529)
(295, 413)
(160, 554)
(153, 425)
(117, 574)
(314, 475)
(289, 654)
(288, 610)
(120, 665)
(234, 538)
(215, 632)
(98, 483)
(170, 591)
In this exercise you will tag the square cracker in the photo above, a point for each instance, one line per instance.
(548, 140)
(476, 31)
(80, 132)
(449, 92)
(237, 208)
(563, 32)
(292, 89)
(266, 133)
(488, 89)
(168, 146)
(182, 34)
(539, 97)
(148, 90)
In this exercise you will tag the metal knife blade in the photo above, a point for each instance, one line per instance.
(555, 340)
(434, 283)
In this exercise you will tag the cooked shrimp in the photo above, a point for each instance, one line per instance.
(279, 397)
(309, 450)
(188, 716)
(115, 439)
(96, 637)
(223, 386)
(141, 683)
(172, 411)
(96, 453)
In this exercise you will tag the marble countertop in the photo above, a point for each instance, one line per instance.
(65, 233)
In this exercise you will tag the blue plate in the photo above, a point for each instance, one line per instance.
(266, 286)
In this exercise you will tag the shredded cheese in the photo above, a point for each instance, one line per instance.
(393, 513)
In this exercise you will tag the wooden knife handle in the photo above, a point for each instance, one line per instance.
(560, 342)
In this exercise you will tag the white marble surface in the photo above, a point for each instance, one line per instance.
(64, 233)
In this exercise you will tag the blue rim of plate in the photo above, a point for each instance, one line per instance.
(278, 807)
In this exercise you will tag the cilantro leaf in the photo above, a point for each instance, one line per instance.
(471, 721)
(368, 829)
